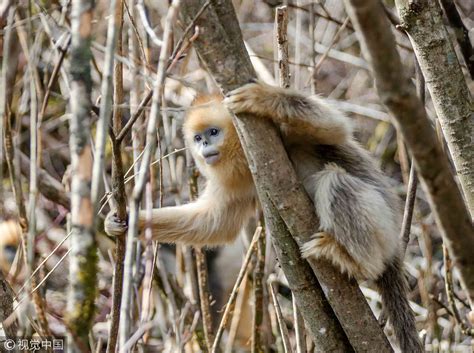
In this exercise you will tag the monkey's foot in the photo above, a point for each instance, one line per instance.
(324, 246)
(313, 247)
(114, 226)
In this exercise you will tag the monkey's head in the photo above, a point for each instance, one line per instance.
(210, 134)
(10, 233)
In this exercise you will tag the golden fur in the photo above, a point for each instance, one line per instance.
(208, 221)
(359, 214)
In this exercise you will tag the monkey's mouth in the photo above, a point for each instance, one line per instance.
(212, 158)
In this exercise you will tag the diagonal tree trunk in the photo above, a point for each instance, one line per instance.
(288, 210)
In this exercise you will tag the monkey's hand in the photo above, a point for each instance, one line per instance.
(303, 118)
(114, 226)
(259, 99)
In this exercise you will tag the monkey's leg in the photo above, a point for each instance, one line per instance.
(325, 245)
(297, 114)
(357, 217)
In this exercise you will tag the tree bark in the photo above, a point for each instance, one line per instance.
(398, 93)
(288, 209)
(461, 33)
(446, 83)
(83, 258)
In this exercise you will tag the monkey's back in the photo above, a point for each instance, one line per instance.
(309, 160)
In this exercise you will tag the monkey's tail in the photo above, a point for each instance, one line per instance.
(394, 289)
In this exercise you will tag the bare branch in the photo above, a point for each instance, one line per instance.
(281, 25)
(445, 81)
(281, 321)
(461, 33)
(118, 186)
(83, 259)
(397, 92)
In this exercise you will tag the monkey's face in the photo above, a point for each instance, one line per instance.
(209, 133)
(208, 143)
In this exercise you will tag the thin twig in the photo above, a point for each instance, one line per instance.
(413, 179)
(138, 113)
(312, 27)
(135, 31)
(204, 296)
(461, 33)
(409, 208)
(281, 26)
(320, 62)
(144, 20)
(105, 105)
(201, 266)
(300, 334)
(33, 192)
(41, 264)
(449, 287)
(118, 187)
(233, 295)
(52, 81)
(7, 79)
(240, 303)
(258, 307)
(298, 34)
(174, 312)
(281, 321)
(189, 27)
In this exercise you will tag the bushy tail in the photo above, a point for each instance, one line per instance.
(393, 289)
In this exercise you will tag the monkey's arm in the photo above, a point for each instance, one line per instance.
(197, 223)
(298, 115)
(207, 221)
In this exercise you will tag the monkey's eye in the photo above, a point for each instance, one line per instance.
(197, 138)
(214, 132)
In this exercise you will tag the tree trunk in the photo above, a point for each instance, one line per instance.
(83, 258)
(398, 93)
(446, 83)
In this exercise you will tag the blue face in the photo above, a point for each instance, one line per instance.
(208, 142)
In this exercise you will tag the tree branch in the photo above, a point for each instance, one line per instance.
(461, 32)
(398, 93)
(446, 83)
(83, 259)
